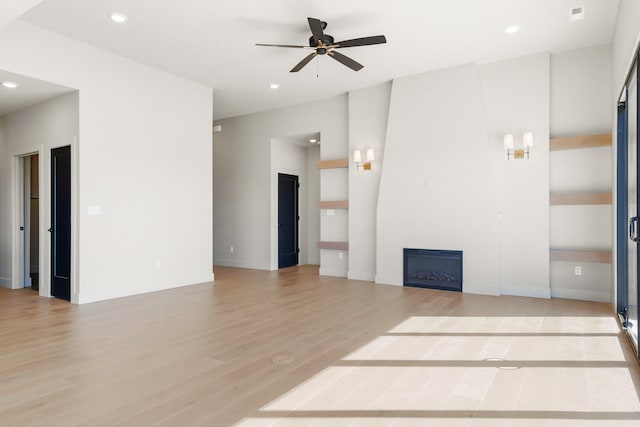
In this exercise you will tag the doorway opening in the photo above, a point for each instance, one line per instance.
(31, 222)
(295, 156)
(28, 248)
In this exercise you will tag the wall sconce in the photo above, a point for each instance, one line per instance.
(357, 158)
(527, 144)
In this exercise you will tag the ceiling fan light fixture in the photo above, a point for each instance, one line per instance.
(118, 17)
(10, 85)
(274, 86)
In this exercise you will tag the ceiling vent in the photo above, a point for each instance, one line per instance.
(576, 13)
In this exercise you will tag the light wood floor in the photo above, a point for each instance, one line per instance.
(357, 353)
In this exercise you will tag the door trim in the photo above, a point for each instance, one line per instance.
(17, 252)
(44, 170)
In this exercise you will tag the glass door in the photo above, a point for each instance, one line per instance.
(631, 315)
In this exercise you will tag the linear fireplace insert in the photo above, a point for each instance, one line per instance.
(433, 268)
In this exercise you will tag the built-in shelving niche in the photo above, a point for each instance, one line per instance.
(333, 204)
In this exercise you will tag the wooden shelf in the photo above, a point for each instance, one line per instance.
(334, 204)
(577, 142)
(333, 164)
(340, 246)
(556, 199)
(596, 256)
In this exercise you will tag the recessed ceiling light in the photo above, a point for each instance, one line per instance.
(512, 29)
(10, 85)
(274, 85)
(118, 17)
(313, 141)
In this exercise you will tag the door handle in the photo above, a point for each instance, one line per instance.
(50, 230)
(633, 229)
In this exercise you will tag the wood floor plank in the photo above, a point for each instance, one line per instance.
(202, 355)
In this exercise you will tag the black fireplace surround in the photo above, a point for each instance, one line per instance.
(433, 268)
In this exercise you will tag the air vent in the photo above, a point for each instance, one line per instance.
(282, 359)
(576, 13)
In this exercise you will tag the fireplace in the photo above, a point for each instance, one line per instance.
(434, 269)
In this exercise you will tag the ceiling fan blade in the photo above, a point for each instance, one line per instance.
(345, 60)
(316, 30)
(363, 41)
(283, 45)
(304, 62)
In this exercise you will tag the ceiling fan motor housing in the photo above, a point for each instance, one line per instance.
(327, 40)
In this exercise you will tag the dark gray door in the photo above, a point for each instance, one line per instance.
(287, 220)
(61, 222)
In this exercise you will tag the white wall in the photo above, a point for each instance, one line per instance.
(144, 156)
(581, 91)
(368, 113)
(446, 184)
(437, 189)
(36, 129)
(581, 104)
(313, 212)
(626, 36)
(242, 188)
(5, 212)
(516, 100)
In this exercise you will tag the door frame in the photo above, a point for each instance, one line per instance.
(622, 259)
(622, 232)
(17, 252)
(44, 221)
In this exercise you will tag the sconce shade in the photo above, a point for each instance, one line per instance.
(508, 142)
(527, 139)
(370, 156)
(357, 156)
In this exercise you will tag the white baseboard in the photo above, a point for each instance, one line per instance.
(388, 280)
(526, 291)
(367, 277)
(481, 289)
(84, 299)
(5, 282)
(579, 294)
(241, 264)
(332, 273)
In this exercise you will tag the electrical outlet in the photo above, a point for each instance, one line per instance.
(578, 270)
(231, 249)
(158, 264)
(340, 255)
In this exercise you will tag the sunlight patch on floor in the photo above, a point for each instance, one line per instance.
(472, 371)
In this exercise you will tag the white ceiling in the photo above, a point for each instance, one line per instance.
(30, 92)
(212, 41)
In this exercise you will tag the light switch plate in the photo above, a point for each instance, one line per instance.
(94, 210)
(331, 212)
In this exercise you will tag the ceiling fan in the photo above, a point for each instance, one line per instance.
(324, 44)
